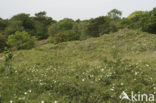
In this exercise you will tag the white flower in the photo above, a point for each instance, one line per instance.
(102, 70)
(25, 93)
(83, 80)
(136, 73)
(55, 102)
(42, 101)
(23, 98)
(121, 83)
(112, 89)
(11, 101)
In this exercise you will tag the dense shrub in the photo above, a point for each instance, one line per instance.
(142, 20)
(80, 28)
(100, 26)
(21, 40)
(71, 35)
(61, 26)
(40, 30)
(64, 36)
(13, 26)
(2, 42)
(3, 25)
(60, 37)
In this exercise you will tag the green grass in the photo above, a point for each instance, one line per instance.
(95, 70)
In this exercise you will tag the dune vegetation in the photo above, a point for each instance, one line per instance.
(95, 70)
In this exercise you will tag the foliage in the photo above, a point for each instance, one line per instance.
(3, 43)
(40, 31)
(96, 70)
(152, 24)
(63, 31)
(41, 24)
(6, 68)
(3, 25)
(99, 26)
(25, 20)
(42, 27)
(21, 40)
(61, 26)
(60, 37)
(137, 13)
(12, 27)
(142, 20)
(115, 14)
(43, 19)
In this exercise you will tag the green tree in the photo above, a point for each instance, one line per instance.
(21, 40)
(42, 18)
(41, 23)
(40, 30)
(80, 28)
(12, 27)
(3, 25)
(115, 14)
(53, 29)
(25, 19)
(137, 20)
(61, 26)
(99, 26)
(152, 24)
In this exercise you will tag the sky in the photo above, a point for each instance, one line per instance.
(82, 9)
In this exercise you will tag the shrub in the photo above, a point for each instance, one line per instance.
(68, 35)
(60, 37)
(2, 42)
(100, 26)
(71, 35)
(21, 40)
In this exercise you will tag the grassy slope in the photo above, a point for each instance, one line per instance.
(96, 70)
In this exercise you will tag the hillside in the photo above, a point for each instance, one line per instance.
(95, 70)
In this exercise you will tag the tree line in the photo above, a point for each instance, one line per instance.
(20, 31)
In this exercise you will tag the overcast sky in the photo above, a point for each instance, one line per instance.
(83, 9)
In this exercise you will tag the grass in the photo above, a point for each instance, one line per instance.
(95, 70)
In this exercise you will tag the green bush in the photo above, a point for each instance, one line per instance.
(21, 40)
(2, 42)
(64, 36)
(60, 37)
(71, 35)
(100, 25)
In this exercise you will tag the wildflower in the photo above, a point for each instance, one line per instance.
(136, 73)
(55, 102)
(102, 70)
(121, 84)
(25, 93)
(112, 89)
(11, 101)
(83, 80)
(42, 101)
(23, 98)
